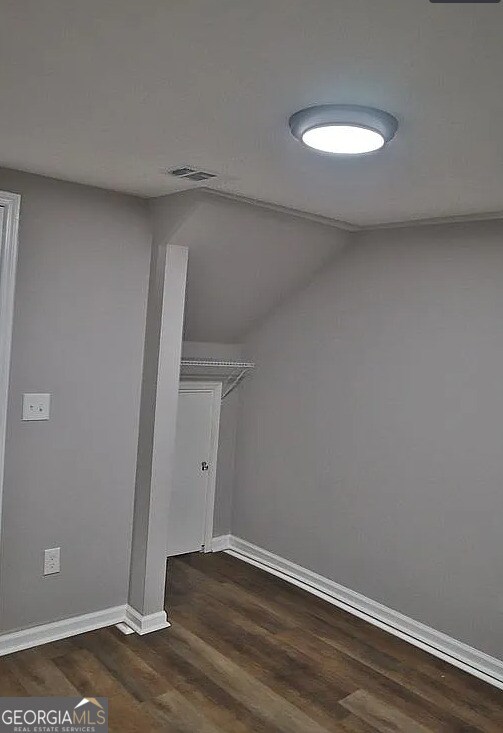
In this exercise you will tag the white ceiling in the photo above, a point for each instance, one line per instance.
(109, 93)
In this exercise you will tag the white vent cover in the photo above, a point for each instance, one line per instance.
(190, 173)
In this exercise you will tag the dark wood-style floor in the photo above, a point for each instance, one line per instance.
(247, 652)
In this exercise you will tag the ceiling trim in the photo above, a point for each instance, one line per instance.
(350, 226)
(432, 221)
(318, 218)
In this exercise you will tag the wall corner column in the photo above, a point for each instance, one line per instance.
(156, 439)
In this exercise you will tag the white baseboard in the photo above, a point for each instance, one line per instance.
(146, 624)
(223, 542)
(15, 641)
(124, 628)
(457, 653)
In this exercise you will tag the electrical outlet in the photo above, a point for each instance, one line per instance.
(36, 406)
(52, 561)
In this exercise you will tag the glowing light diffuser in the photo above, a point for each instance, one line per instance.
(343, 139)
(343, 129)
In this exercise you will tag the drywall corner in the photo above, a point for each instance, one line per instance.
(170, 212)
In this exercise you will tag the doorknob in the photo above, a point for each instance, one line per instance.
(204, 466)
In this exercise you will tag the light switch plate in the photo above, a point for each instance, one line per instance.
(36, 406)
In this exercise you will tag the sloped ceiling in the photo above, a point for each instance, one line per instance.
(243, 260)
(111, 92)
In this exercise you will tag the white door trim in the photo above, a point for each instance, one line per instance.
(215, 389)
(10, 202)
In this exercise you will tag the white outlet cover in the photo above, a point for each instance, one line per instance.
(36, 406)
(52, 561)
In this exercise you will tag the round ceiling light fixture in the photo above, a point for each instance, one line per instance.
(343, 129)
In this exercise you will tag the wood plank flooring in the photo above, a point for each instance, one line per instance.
(247, 652)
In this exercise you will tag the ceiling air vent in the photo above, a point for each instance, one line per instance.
(192, 174)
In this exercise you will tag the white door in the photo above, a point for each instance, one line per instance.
(190, 515)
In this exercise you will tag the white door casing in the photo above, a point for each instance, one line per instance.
(190, 514)
(9, 223)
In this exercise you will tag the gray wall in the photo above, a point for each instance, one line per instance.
(243, 260)
(78, 333)
(370, 447)
(227, 436)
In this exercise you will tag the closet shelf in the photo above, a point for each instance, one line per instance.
(230, 373)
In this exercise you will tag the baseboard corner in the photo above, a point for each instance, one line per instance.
(221, 543)
(146, 624)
